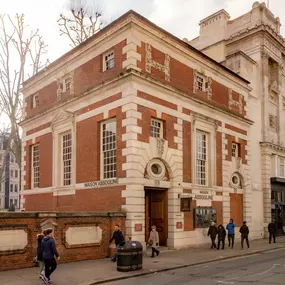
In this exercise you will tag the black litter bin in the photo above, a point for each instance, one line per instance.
(130, 256)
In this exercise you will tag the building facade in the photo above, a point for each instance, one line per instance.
(136, 120)
(252, 46)
(10, 182)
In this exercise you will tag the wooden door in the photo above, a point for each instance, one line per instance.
(156, 213)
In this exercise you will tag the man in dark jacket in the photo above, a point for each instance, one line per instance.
(244, 230)
(49, 253)
(221, 236)
(213, 231)
(119, 238)
(272, 231)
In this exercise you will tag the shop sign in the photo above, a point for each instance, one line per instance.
(101, 183)
(203, 197)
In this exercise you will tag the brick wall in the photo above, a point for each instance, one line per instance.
(31, 224)
(187, 141)
(242, 148)
(219, 159)
(97, 199)
(85, 77)
(182, 78)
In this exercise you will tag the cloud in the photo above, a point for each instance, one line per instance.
(180, 17)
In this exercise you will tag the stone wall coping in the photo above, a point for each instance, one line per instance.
(18, 215)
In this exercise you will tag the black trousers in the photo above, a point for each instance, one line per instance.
(231, 239)
(50, 266)
(272, 235)
(223, 243)
(153, 251)
(242, 241)
(213, 239)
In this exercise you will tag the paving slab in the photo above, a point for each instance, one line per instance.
(103, 270)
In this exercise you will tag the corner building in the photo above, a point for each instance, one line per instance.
(137, 120)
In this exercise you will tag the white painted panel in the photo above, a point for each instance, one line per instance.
(13, 239)
(83, 235)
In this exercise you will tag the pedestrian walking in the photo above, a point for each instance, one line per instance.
(212, 232)
(231, 233)
(39, 256)
(118, 237)
(153, 241)
(244, 230)
(49, 253)
(221, 236)
(272, 231)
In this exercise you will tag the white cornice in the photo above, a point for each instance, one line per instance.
(272, 146)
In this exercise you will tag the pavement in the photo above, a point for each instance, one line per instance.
(103, 270)
(266, 268)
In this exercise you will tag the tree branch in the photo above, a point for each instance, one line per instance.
(80, 24)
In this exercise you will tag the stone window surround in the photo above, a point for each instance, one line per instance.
(209, 128)
(36, 101)
(58, 130)
(107, 54)
(161, 130)
(101, 145)
(32, 166)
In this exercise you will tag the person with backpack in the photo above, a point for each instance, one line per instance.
(231, 233)
(118, 237)
(244, 230)
(212, 232)
(221, 236)
(49, 253)
(39, 257)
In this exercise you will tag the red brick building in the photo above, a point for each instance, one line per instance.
(135, 119)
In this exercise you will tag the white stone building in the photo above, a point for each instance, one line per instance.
(252, 46)
(10, 182)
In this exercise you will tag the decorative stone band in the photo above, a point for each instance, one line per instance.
(234, 103)
(151, 63)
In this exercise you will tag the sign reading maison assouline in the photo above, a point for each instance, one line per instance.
(203, 197)
(101, 183)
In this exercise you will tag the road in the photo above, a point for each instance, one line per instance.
(260, 269)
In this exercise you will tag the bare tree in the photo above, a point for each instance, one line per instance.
(81, 22)
(21, 51)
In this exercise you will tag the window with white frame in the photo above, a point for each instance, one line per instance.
(235, 150)
(109, 147)
(66, 158)
(36, 101)
(201, 158)
(11, 202)
(16, 173)
(281, 167)
(15, 188)
(156, 128)
(16, 203)
(11, 188)
(36, 166)
(67, 84)
(200, 82)
(108, 60)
